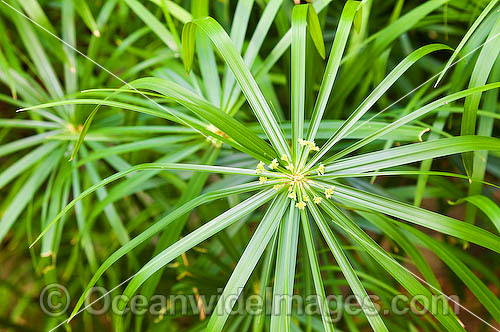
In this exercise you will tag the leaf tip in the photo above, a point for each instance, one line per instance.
(422, 133)
(70, 318)
(322, 54)
(36, 240)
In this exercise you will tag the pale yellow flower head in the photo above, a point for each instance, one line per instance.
(329, 192)
(274, 164)
(321, 169)
(313, 146)
(300, 205)
(260, 167)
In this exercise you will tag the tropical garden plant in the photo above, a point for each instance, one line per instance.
(277, 172)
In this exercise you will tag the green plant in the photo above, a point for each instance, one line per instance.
(309, 192)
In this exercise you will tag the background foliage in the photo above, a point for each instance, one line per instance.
(355, 79)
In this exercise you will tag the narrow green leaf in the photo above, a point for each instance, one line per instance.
(150, 143)
(238, 30)
(411, 153)
(152, 166)
(83, 10)
(355, 284)
(338, 46)
(485, 128)
(192, 239)
(19, 123)
(489, 208)
(464, 40)
(253, 251)
(315, 30)
(4, 66)
(176, 10)
(482, 69)
(35, 12)
(206, 57)
(247, 83)
(487, 298)
(316, 274)
(83, 133)
(401, 238)
(153, 23)
(261, 31)
(399, 70)
(37, 54)
(419, 216)
(151, 109)
(159, 226)
(69, 36)
(188, 42)
(26, 142)
(401, 274)
(406, 173)
(85, 238)
(358, 19)
(27, 191)
(265, 278)
(286, 258)
(230, 126)
(298, 76)
(254, 45)
(112, 215)
(26, 162)
(413, 116)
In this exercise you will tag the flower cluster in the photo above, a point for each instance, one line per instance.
(321, 169)
(274, 164)
(329, 192)
(310, 144)
(296, 179)
(260, 167)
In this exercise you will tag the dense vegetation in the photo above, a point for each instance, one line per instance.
(251, 148)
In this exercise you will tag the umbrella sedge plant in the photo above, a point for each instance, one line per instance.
(44, 171)
(309, 183)
(307, 188)
(208, 87)
(42, 180)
